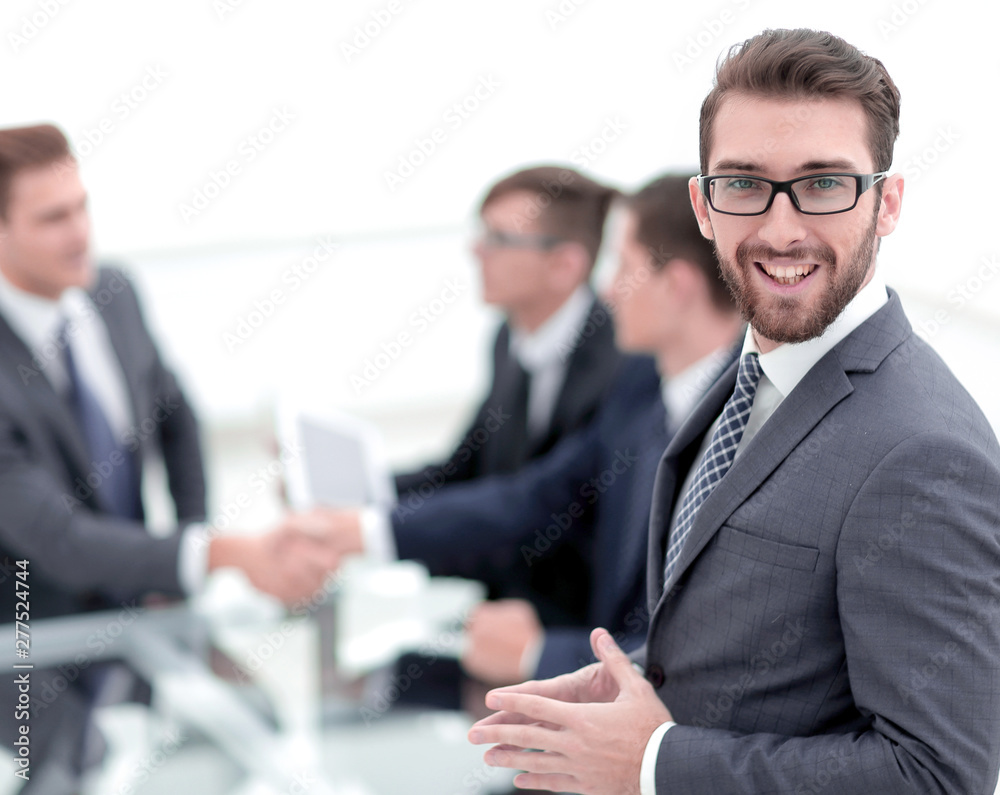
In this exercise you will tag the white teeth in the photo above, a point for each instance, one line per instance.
(788, 274)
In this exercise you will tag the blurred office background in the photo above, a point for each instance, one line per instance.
(293, 184)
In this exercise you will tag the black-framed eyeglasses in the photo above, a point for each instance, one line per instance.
(817, 194)
(495, 238)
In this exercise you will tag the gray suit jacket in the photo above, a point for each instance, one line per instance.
(47, 514)
(835, 625)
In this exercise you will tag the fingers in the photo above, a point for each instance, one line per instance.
(535, 708)
(617, 663)
(519, 735)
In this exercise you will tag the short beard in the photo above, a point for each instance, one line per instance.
(782, 320)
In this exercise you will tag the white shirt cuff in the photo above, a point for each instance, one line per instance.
(531, 656)
(647, 773)
(192, 558)
(376, 535)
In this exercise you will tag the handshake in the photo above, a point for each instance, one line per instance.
(292, 561)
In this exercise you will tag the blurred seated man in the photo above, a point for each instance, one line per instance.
(594, 489)
(554, 358)
(84, 400)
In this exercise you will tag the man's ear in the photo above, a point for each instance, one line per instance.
(892, 203)
(700, 207)
(570, 265)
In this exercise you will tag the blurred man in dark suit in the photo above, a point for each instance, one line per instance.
(84, 399)
(554, 358)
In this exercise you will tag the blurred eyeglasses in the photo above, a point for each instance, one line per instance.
(494, 238)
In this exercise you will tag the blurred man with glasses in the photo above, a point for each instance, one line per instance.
(554, 358)
(824, 548)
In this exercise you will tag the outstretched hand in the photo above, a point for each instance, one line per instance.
(587, 730)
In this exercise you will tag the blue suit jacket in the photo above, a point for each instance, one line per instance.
(592, 493)
(835, 625)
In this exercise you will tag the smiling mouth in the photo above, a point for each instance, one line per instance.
(786, 274)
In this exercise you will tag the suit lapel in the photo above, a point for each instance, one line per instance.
(33, 392)
(673, 468)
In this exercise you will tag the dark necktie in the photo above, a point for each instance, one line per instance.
(113, 474)
(717, 459)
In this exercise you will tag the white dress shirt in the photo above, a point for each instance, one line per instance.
(782, 369)
(545, 352)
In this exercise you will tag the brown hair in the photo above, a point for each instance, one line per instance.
(569, 205)
(807, 64)
(668, 228)
(28, 147)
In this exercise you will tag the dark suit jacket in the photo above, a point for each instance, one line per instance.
(835, 625)
(592, 491)
(48, 514)
(592, 366)
(559, 581)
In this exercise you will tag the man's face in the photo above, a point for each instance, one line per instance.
(45, 238)
(515, 265)
(637, 292)
(792, 274)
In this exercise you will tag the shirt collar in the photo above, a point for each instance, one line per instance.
(682, 391)
(788, 364)
(547, 344)
(33, 318)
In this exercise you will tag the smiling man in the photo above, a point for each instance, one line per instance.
(825, 531)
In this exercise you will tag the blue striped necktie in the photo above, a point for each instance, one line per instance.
(113, 474)
(717, 459)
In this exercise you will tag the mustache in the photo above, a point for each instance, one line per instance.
(759, 252)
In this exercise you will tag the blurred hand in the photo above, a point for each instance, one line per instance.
(288, 563)
(497, 635)
(339, 529)
(586, 731)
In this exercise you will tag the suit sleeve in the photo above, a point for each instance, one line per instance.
(568, 648)
(918, 601)
(81, 550)
(463, 523)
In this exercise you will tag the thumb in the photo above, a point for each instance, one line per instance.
(616, 662)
